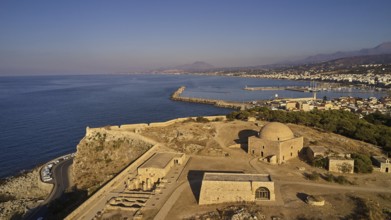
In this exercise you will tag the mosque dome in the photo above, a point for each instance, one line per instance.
(276, 131)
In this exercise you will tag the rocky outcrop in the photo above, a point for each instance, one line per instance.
(21, 193)
(103, 153)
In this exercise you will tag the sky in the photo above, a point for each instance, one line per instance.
(113, 36)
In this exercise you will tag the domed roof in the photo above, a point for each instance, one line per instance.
(276, 131)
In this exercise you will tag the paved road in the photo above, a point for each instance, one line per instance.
(61, 182)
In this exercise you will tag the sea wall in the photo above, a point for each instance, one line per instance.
(176, 96)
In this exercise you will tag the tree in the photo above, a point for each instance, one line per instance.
(362, 163)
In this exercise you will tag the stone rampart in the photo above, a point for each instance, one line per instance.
(135, 127)
(83, 208)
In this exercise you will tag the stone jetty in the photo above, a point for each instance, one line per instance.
(176, 96)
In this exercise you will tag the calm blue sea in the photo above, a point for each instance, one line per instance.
(42, 117)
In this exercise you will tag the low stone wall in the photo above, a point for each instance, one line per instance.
(76, 214)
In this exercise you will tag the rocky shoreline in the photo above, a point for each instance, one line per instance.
(19, 194)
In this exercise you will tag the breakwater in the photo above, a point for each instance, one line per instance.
(176, 96)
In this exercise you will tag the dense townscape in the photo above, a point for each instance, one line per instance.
(357, 105)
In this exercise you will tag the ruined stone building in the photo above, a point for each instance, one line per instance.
(316, 151)
(276, 142)
(236, 187)
(155, 169)
(340, 164)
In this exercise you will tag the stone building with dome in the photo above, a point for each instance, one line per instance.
(276, 143)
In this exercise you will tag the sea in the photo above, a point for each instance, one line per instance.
(43, 117)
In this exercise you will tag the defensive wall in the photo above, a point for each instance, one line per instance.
(137, 127)
(84, 208)
(130, 130)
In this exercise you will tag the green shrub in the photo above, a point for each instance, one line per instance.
(319, 161)
(99, 148)
(189, 120)
(362, 163)
(202, 119)
(329, 177)
(341, 180)
(313, 176)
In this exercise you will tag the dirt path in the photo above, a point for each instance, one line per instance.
(163, 212)
(337, 187)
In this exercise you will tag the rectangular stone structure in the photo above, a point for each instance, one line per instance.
(236, 187)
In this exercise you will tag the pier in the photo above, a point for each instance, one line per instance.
(176, 96)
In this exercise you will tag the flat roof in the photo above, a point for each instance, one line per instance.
(160, 160)
(381, 159)
(318, 149)
(239, 177)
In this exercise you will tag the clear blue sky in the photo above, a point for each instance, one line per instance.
(70, 37)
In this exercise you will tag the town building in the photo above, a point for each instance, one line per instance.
(381, 163)
(275, 142)
(236, 187)
(315, 151)
(154, 170)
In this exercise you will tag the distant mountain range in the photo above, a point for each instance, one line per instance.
(379, 54)
(384, 48)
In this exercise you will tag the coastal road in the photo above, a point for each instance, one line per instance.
(61, 183)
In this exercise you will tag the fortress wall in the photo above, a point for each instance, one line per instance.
(218, 117)
(120, 133)
(133, 126)
(164, 124)
(84, 208)
(115, 127)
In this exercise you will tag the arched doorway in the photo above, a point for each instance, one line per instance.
(262, 193)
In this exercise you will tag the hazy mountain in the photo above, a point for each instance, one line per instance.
(384, 48)
(358, 60)
(199, 65)
(193, 67)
